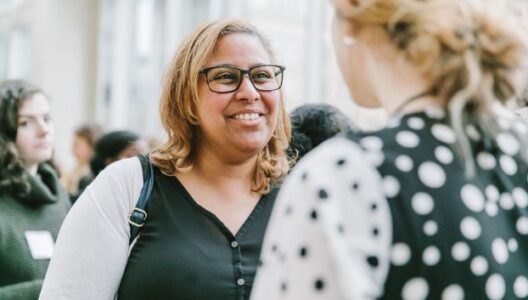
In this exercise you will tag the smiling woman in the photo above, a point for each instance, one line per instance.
(216, 178)
(32, 202)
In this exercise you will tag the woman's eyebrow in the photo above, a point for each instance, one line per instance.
(33, 116)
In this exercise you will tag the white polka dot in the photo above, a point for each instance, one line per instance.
(415, 289)
(520, 287)
(375, 157)
(431, 256)
(492, 193)
(404, 163)
(431, 174)
(495, 287)
(506, 201)
(492, 209)
(508, 165)
(443, 133)
(391, 186)
(472, 198)
(520, 127)
(472, 132)
(430, 228)
(400, 254)
(513, 245)
(520, 197)
(479, 266)
(508, 143)
(499, 250)
(393, 123)
(453, 292)
(486, 161)
(444, 155)
(407, 139)
(460, 251)
(435, 112)
(504, 124)
(422, 203)
(372, 143)
(470, 228)
(522, 225)
(416, 123)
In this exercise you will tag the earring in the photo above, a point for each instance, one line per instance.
(348, 40)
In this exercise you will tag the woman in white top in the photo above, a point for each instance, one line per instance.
(434, 206)
(214, 184)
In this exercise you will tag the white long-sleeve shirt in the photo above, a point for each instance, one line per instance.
(93, 245)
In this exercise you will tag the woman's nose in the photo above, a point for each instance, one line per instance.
(247, 90)
(43, 127)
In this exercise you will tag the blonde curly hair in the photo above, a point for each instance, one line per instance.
(179, 100)
(471, 50)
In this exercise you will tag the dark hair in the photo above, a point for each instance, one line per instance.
(13, 178)
(312, 124)
(109, 146)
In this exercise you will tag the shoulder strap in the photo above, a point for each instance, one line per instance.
(138, 215)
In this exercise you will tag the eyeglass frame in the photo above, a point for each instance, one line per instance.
(204, 71)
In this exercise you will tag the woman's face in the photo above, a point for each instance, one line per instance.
(82, 150)
(242, 121)
(34, 140)
(352, 58)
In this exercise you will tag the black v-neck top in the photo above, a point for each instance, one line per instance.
(185, 252)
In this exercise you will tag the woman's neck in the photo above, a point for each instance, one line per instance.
(399, 85)
(32, 169)
(215, 169)
(405, 91)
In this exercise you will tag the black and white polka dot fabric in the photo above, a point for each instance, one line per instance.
(391, 215)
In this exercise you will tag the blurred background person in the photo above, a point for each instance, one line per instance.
(109, 148)
(114, 146)
(313, 124)
(434, 206)
(83, 150)
(33, 203)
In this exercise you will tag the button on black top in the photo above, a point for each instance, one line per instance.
(186, 252)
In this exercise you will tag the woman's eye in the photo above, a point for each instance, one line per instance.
(47, 119)
(262, 76)
(23, 123)
(225, 77)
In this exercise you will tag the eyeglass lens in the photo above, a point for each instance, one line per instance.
(224, 79)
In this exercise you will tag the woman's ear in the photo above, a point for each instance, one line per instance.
(350, 8)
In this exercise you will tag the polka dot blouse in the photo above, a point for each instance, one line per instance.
(391, 215)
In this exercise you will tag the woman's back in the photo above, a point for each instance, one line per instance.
(429, 231)
(450, 232)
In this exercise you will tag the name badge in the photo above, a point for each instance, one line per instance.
(40, 244)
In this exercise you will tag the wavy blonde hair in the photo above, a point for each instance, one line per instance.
(179, 100)
(471, 51)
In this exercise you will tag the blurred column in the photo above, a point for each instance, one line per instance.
(114, 77)
(315, 51)
(64, 59)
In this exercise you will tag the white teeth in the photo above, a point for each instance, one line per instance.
(246, 116)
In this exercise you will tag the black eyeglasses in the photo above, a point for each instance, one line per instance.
(227, 79)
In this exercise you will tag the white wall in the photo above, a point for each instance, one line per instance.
(65, 35)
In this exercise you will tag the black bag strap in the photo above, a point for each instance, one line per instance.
(138, 215)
